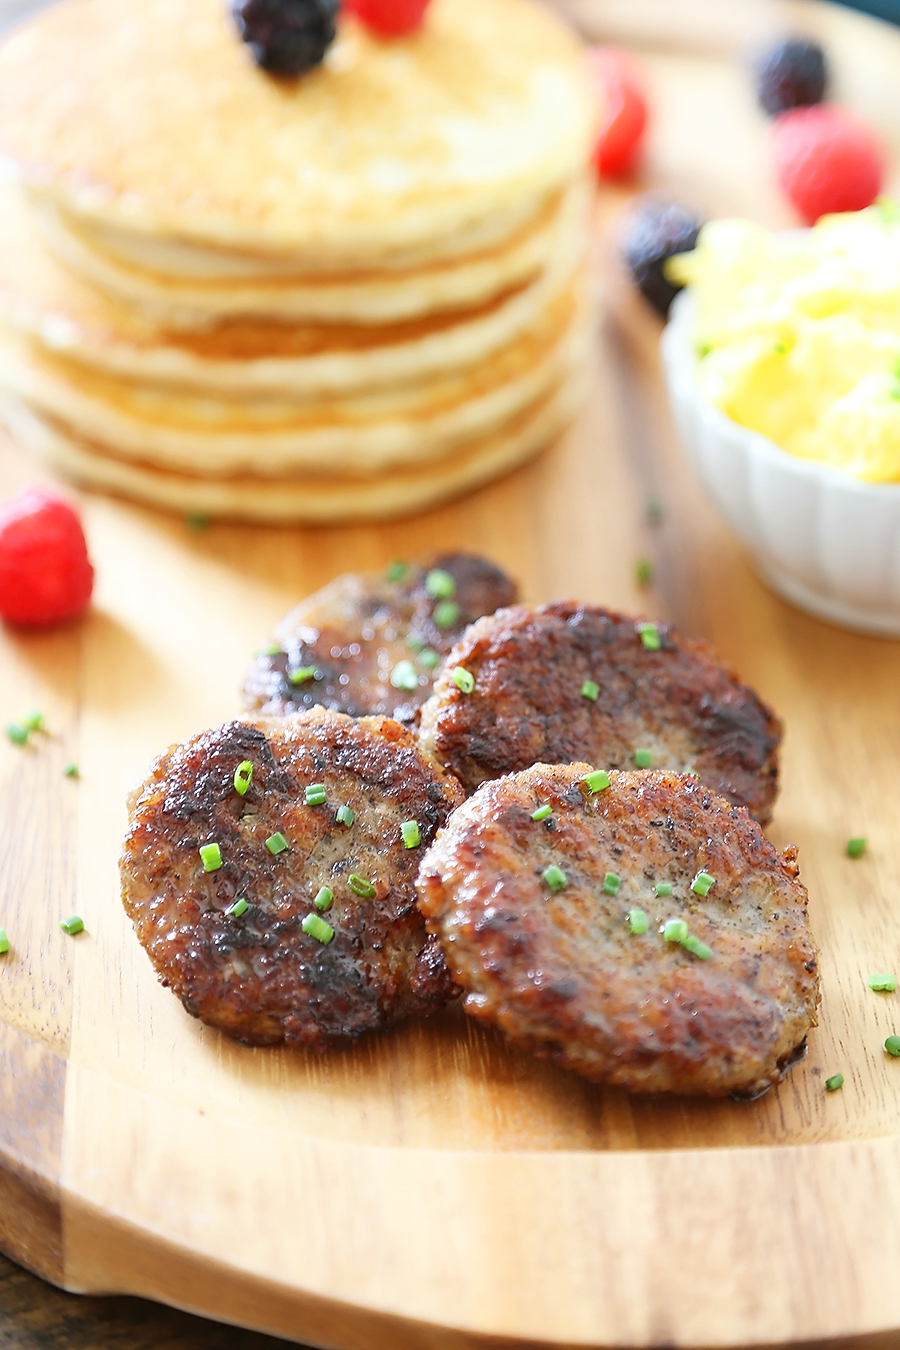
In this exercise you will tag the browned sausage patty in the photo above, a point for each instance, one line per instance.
(370, 643)
(533, 917)
(258, 975)
(568, 682)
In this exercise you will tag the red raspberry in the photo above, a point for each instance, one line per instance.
(388, 18)
(624, 111)
(45, 573)
(825, 161)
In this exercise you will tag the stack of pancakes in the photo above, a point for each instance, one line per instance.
(348, 294)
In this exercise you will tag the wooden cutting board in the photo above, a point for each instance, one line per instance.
(433, 1188)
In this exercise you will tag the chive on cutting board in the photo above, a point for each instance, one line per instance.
(434, 1188)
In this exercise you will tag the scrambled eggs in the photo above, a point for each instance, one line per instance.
(799, 334)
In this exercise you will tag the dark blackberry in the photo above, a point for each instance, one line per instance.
(656, 228)
(792, 75)
(287, 36)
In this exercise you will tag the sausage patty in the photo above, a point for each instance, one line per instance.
(270, 971)
(370, 643)
(568, 682)
(542, 924)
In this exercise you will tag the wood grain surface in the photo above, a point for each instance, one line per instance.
(433, 1187)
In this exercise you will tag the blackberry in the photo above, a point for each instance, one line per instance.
(656, 228)
(792, 75)
(286, 36)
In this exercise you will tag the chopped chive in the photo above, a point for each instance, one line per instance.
(415, 644)
(314, 795)
(675, 930)
(242, 775)
(33, 721)
(556, 878)
(883, 984)
(276, 843)
(405, 676)
(344, 816)
(72, 925)
(464, 680)
(17, 734)
(643, 571)
(71, 771)
(239, 907)
(590, 690)
(649, 635)
(440, 585)
(359, 886)
(4, 942)
(302, 675)
(702, 883)
(643, 759)
(892, 1045)
(696, 947)
(317, 928)
(409, 832)
(542, 812)
(196, 520)
(834, 1082)
(446, 613)
(662, 888)
(638, 923)
(273, 649)
(428, 658)
(612, 883)
(856, 847)
(654, 511)
(324, 898)
(211, 857)
(396, 570)
(596, 781)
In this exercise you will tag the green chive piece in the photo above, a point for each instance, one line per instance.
(17, 734)
(446, 613)
(405, 676)
(302, 675)
(317, 928)
(315, 794)
(409, 832)
(242, 775)
(638, 923)
(542, 812)
(649, 635)
(856, 847)
(33, 721)
(596, 781)
(273, 649)
(612, 883)
(590, 690)
(464, 680)
(556, 878)
(654, 511)
(211, 857)
(324, 898)
(643, 759)
(675, 930)
(883, 984)
(344, 816)
(71, 771)
(643, 571)
(428, 658)
(439, 584)
(834, 1082)
(696, 947)
(359, 886)
(276, 843)
(72, 925)
(662, 888)
(4, 942)
(396, 571)
(415, 644)
(702, 883)
(892, 1045)
(239, 907)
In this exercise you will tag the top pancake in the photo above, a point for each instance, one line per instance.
(152, 118)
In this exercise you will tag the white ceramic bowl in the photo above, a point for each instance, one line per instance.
(827, 543)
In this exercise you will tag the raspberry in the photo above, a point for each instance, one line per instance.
(825, 161)
(45, 573)
(624, 106)
(792, 75)
(655, 229)
(388, 18)
(286, 36)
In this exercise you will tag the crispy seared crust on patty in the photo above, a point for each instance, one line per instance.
(355, 632)
(259, 977)
(561, 972)
(527, 706)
